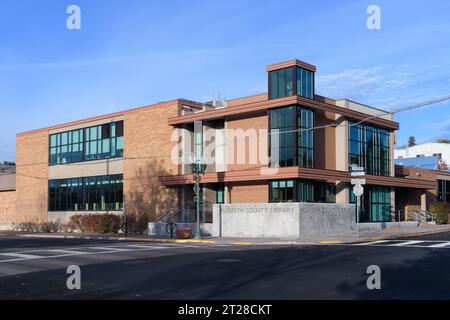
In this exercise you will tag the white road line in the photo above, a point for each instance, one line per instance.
(115, 249)
(20, 255)
(440, 245)
(371, 243)
(65, 251)
(138, 246)
(407, 243)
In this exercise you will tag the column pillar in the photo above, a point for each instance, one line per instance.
(423, 200)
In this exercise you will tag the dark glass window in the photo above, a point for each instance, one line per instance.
(93, 143)
(443, 191)
(291, 137)
(301, 191)
(104, 193)
(305, 137)
(282, 191)
(369, 147)
(290, 81)
(305, 83)
(375, 204)
(220, 194)
(305, 191)
(281, 83)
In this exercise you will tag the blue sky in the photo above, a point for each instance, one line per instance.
(137, 52)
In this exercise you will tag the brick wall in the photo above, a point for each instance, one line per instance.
(7, 207)
(147, 150)
(256, 154)
(324, 141)
(31, 177)
(257, 192)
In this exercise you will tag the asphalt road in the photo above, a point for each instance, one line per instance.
(411, 268)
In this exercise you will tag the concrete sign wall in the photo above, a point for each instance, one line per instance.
(326, 219)
(284, 220)
(256, 220)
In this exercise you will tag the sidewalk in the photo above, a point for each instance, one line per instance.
(329, 239)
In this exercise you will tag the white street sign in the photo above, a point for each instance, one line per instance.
(357, 173)
(358, 190)
(358, 181)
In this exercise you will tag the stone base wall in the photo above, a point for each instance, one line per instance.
(282, 220)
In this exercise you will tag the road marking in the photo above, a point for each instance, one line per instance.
(65, 251)
(109, 249)
(407, 243)
(440, 245)
(138, 246)
(20, 255)
(371, 243)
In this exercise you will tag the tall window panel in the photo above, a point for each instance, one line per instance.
(375, 204)
(291, 137)
(103, 193)
(281, 83)
(369, 147)
(282, 137)
(443, 194)
(305, 83)
(93, 143)
(305, 137)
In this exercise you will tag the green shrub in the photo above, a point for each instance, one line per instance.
(441, 210)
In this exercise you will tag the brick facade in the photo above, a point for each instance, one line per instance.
(31, 177)
(147, 155)
(7, 207)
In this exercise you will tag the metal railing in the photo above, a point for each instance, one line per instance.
(178, 214)
(420, 216)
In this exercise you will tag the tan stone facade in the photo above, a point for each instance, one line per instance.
(32, 177)
(7, 207)
(149, 143)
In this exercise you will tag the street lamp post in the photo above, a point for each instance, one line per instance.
(198, 167)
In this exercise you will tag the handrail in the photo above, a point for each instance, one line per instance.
(175, 214)
(420, 216)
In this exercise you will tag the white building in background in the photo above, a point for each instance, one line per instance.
(440, 150)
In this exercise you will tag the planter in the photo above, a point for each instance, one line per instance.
(184, 233)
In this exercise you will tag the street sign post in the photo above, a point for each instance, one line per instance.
(358, 190)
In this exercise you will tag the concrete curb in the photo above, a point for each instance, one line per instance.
(161, 240)
(232, 242)
(51, 236)
(424, 233)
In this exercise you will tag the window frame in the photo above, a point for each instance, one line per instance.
(84, 144)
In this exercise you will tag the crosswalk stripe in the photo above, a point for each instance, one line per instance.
(108, 249)
(440, 245)
(65, 251)
(20, 255)
(138, 246)
(371, 243)
(407, 243)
